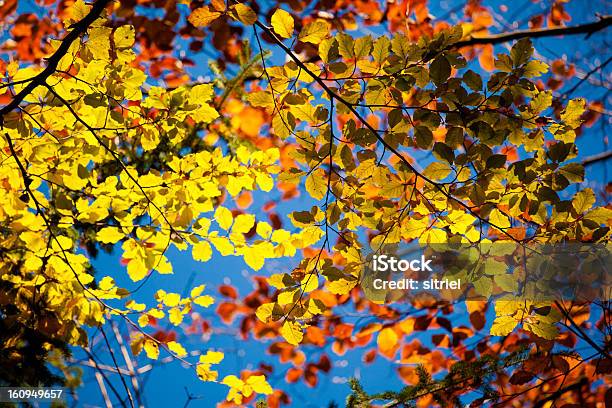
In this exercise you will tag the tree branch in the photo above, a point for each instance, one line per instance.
(560, 392)
(588, 28)
(53, 61)
(597, 158)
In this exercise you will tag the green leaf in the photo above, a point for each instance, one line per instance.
(423, 136)
(473, 80)
(574, 172)
(345, 45)
(521, 51)
(439, 70)
(363, 46)
(381, 49)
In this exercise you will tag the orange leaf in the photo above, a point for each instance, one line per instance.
(387, 340)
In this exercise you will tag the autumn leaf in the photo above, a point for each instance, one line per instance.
(292, 332)
(387, 339)
(203, 16)
(314, 32)
(243, 13)
(503, 325)
(283, 23)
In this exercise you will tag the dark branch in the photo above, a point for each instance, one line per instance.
(573, 387)
(588, 28)
(53, 61)
(597, 158)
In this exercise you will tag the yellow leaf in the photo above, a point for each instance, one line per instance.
(292, 332)
(545, 330)
(136, 269)
(212, 357)
(437, 171)
(233, 381)
(283, 23)
(143, 320)
(269, 311)
(498, 219)
(77, 12)
(261, 99)
(99, 43)
(205, 373)
(152, 349)
(204, 301)
(203, 16)
(222, 245)
(123, 37)
(254, 258)
(310, 282)
(201, 251)
(259, 384)
(204, 114)
(243, 223)
(600, 215)
(573, 111)
(264, 229)
(341, 286)
(583, 200)
(133, 305)
(175, 316)
(314, 32)
(387, 339)
(109, 235)
(316, 184)
(172, 299)
(243, 13)
(201, 93)
(264, 181)
(106, 283)
(224, 218)
(177, 349)
(197, 291)
(503, 325)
